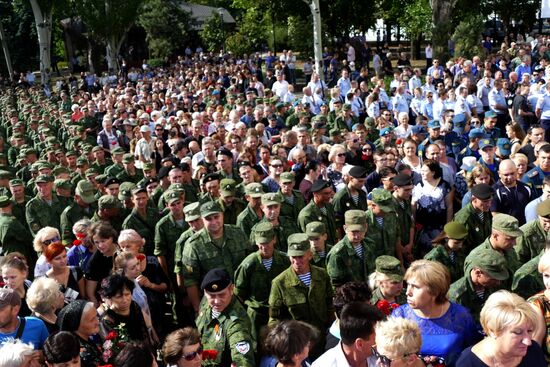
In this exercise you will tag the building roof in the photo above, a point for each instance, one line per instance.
(201, 13)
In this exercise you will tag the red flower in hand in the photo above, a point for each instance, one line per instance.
(384, 306)
(209, 354)
(80, 235)
(112, 335)
(77, 242)
(140, 257)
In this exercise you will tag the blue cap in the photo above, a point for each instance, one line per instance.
(215, 92)
(484, 143)
(504, 146)
(476, 133)
(460, 119)
(491, 114)
(385, 131)
(418, 129)
(434, 124)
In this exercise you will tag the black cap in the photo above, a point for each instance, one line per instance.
(483, 191)
(149, 180)
(210, 177)
(111, 180)
(184, 166)
(402, 179)
(225, 152)
(216, 280)
(358, 172)
(163, 171)
(319, 185)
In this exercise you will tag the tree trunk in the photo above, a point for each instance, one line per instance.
(441, 18)
(43, 20)
(6, 51)
(317, 36)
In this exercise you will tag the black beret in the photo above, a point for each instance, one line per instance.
(111, 180)
(319, 185)
(225, 152)
(184, 166)
(483, 191)
(216, 280)
(402, 179)
(358, 172)
(210, 177)
(163, 172)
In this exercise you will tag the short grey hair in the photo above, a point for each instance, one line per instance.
(13, 353)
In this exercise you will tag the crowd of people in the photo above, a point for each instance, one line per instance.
(207, 213)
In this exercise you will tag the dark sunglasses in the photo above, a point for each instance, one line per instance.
(276, 165)
(341, 154)
(51, 240)
(367, 150)
(191, 356)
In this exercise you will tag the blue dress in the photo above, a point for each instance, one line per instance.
(533, 358)
(446, 336)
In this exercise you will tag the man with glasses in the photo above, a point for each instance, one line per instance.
(435, 67)
(271, 182)
(373, 179)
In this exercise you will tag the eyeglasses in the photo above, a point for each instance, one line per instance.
(366, 150)
(277, 165)
(191, 356)
(341, 154)
(382, 359)
(159, 128)
(51, 240)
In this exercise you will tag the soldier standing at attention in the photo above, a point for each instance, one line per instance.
(535, 234)
(14, 236)
(216, 245)
(352, 196)
(44, 209)
(253, 213)
(302, 292)
(255, 274)
(320, 209)
(223, 323)
(383, 232)
(293, 200)
(317, 233)
(351, 259)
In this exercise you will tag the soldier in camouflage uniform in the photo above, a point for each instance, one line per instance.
(14, 237)
(302, 292)
(223, 323)
(44, 209)
(405, 220)
(383, 232)
(253, 213)
(83, 207)
(527, 279)
(193, 218)
(293, 200)
(535, 234)
(19, 200)
(351, 259)
(352, 196)
(389, 281)
(231, 205)
(476, 216)
(130, 172)
(320, 209)
(116, 167)
(255, 274)
(482, 276)
(317, 234)
(216, 245)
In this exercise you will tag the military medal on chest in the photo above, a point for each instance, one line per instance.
(217, 332)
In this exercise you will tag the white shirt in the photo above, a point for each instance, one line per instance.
(351, 54)
(335, 357)
(429, 52)
(280, 88)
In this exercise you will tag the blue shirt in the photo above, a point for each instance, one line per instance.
(35, 332)
(543, 103)
(496, 97)
(446, 336)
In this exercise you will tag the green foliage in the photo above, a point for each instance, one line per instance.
(300, 35)
(213, 33)
(348, 15)
(253, 28)
(167, 26)
(238, 44)
(18, 21)
(156, 63)
(467, 37)
(416, 19)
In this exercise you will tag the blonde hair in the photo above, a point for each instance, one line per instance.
(121, 259)
(505, 309)
(44, 234)
(335, 149)
(433, 275)
(544, 262)
(398, 336)
(129, 235)
(42, 295)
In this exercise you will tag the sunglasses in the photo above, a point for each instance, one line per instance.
(277, 165)
(384, 361)
(51, 240)
(191, 356)
(366, 150)
(341, 154)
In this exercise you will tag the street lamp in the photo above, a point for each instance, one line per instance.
(220, 12)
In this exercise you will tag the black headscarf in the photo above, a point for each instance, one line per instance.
(69, 317)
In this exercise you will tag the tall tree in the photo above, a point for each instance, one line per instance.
(442, 11)
(109, 21)
(167, 25)
(42, 10)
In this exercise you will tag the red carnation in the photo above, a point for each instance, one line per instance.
(209, 354)
(384, 306)
(77, 242)
(140, 257)
(120, 345)
(112, 335)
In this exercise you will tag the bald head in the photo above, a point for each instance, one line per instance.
(507, 173)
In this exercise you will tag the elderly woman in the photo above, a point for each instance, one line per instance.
(80, 318)
(447, 249)
(337, 157)
(541, 303)
(288, 344)
(508, 322)
(83, 247)
(522, 163)
(432, 204)
(44, 237)
(447, 328)
(44, 299)
(410, 156)
(398, 343)
(182, 348)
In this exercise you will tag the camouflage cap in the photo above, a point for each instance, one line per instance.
(271, 198)
(315, 229)
(383, 198)
(287, 177)
(90, 172)
(148, 166)
(63, 184)
(210, 208)
(389, 266)
(116, 151)
(5, 175)
(44, 178)
(506, 224)
(97, 148)
(543, 209)
(108, 202)
(192, 212)
(490, 262)
(82, 161)
(4, 201)
(298, 244)
(171, 196)
(86, 191)
(60, 170)
(125, 190)
(128, 158)
(228, 187)
(263, 232)
(16, 182)
(355, 220)
(254, 189)
(455, 230)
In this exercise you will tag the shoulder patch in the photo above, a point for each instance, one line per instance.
(533, 174)
(242, 347)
